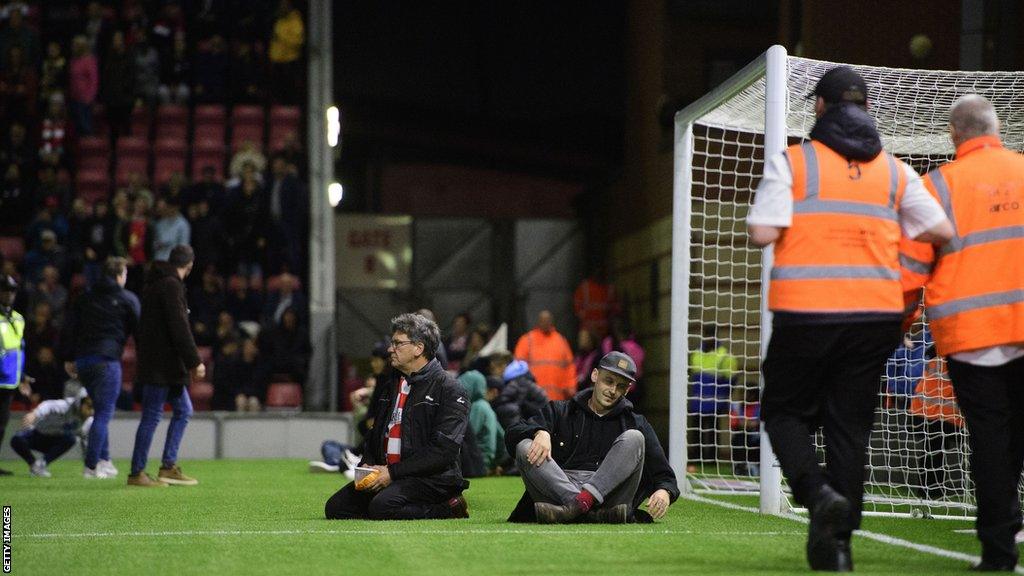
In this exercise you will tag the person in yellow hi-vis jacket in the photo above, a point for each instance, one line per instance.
(12, 352)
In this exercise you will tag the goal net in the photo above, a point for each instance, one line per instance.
(918, 454)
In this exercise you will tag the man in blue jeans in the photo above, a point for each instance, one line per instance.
(167, 362)
(95, 332)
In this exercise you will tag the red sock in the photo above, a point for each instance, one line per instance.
(585, 500)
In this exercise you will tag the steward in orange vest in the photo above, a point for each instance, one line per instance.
(933, 398)
(974, 302)
(836, 208)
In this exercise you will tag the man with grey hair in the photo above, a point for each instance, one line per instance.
(413, 447)
(975, 305)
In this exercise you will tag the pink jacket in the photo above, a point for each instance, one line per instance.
(85, 79)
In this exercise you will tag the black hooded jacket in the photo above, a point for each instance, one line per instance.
(100, 322)
(849, 130)
(434, 422)
(580, 439)
(166, 349)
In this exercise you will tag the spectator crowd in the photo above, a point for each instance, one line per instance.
(75, 74)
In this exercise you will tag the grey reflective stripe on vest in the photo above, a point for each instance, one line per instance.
(811, 164)
(975, 303)
(894, 180)
(834, 272)
(983, 237)
(812, 204)
(818, 206)
(939, 183)
(915, 265)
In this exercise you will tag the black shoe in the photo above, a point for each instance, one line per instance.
(459, 507)
(618, 514)
(987, 566)
(555, 514)
(824, 551)
(6, 472)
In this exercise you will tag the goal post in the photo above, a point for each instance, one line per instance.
(917, 464)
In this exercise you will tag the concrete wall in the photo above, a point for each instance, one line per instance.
(223, 435)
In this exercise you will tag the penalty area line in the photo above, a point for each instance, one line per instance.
(877, 537)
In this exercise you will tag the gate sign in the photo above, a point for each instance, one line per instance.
(373, 251)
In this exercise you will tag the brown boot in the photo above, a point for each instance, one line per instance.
(173, 475)
(144, 480)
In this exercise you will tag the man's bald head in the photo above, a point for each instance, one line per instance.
(972, 116)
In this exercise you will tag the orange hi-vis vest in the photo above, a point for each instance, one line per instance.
(975, 298)
(916, 262)
(841, 253)
(934, 398)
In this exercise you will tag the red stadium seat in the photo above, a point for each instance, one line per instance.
(141, 122)
(127, 167)
(171, 122)
(210, 114)
(12, 248)
(284, 395)
(240, 134)
(93, 184)
(208, 153)
(169, 157)
(289, 115)
(201, 394)
(209, 132)
(132, 147)
(101, 163)
(247, 116)
(93, 147)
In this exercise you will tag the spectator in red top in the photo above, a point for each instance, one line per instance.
(84, 77)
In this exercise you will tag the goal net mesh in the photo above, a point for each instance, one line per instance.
(916, 465)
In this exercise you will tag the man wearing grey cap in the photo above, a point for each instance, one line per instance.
(592, 458)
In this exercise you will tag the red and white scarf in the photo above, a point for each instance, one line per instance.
(394, 452)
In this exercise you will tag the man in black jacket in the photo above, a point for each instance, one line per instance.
(419, 423)
(168, 360)
(592, 458)
(95, 333)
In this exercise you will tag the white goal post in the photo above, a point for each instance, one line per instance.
(916, 466)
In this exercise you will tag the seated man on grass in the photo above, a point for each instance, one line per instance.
(420, 420)
(592, 458)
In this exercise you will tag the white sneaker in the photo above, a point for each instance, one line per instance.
(94, 473)
(40, 470)
(350, 474)
(319, 467)
(351, 459)
(107, 467)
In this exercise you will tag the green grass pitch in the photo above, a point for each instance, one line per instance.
(266, 517)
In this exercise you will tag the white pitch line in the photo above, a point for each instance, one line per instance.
(883, 538)
(389, 533)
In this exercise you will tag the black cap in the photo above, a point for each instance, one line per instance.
(8, 283)
(841, 84)
(620, 364)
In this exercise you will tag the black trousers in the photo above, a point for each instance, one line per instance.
(6, 395)
(404, 499)
(933, 459)
(991, 400)
(825, 375)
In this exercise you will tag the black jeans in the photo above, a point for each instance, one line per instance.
(6, 395)
(991, 400)
(405, 499)
(825, 375)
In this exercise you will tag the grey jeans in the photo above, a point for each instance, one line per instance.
(614, 482)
